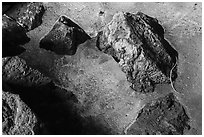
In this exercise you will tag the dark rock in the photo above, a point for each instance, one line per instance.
(29, 15)
(164, 116)
(16, 71)
(137, 42)
(64, 37)
(17, 117)
(13, 35)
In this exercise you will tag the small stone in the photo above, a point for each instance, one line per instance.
(64, 37)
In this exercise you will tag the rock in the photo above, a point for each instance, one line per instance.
(164, 116)
(64, 37)
(29, 15)
(16, 71)
(13, 35)
(17, 117)
(136, 42)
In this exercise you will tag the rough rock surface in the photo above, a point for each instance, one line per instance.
(137, 42)
(29, 16)
(64, 37)
(17, 117)
(13, 35)
(16, 71)
(164, 116)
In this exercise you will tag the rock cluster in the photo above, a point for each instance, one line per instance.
(18, 118)
(86, 87)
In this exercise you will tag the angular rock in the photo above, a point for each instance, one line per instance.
(13, 35)
(136, 42)
(164, 116)
(16, 71)
(64, 37)
(17, 117)
(29, 15)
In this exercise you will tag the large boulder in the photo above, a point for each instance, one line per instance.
(17, 117)
(13, 35)
(137, 43)
(64, 37)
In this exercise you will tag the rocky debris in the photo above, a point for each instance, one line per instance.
(136, 42)
(16, 71)
(96, 89)
(164, 116)
(64, 37)
(29, 15)
(17, 117)
(13, 35)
